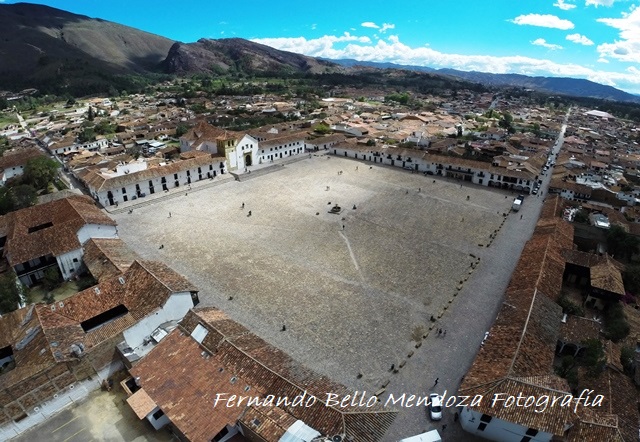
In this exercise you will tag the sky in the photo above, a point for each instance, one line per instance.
(594, 39)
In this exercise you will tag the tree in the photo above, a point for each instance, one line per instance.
(322, 128)
(631, 277)
(621, 243)
(181, 130)
(24, 196)
(91, 115)
(39, 172)
(6, 201)
(87, 134)
(616, 326)
(594, 358)
(9, 293)
(51, 278)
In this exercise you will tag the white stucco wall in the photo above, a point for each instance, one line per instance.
(66, 262)
(157, 424)
(96, 231)
(174, 309)
(498, 429)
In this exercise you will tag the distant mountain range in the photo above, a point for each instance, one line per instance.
(55, 50)
(553, 85)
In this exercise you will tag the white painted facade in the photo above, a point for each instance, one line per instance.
(9, 173)
(157, 421)
(244, 153)
(270, 151)
(75, 147)
(174, 309)
(69, 262)
(476, 175)
(498, 429)
(160, 183)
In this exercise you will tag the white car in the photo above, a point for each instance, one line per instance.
(435, 406)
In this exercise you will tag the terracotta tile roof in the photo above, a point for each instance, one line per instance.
(577, 329)
(22, 331)
(606, 276)
(595, 427)
(141, 403)
(255, 364)
(19, 157)
(107, 257)
(333, 138)
(183, 380)
(442, 159)
(620, 399)
(203, 132)
(67, 216)
(269, 423)
(98, 182)
(285, 139)
(519, 351)
(143, 288)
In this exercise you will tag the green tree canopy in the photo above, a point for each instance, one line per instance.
(9, 293)
(39, 172)
(24, 196)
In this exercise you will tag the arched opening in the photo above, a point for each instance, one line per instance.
(247, 160)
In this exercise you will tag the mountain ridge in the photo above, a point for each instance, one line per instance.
(60, 51)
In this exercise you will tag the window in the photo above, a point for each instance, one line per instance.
(124, 190)
(482, 426)
(199, 333)
(485, 418)
(221, 434)
(158, 414)
(104, 318)
(75, 259)
(39, 227)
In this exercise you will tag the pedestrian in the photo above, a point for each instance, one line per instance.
(439, 331)
(249, 213)
(444, 427)
(407, 193)
(520, 216)
(419, 189)
(169, 214)
(436, 382)
(243, 205)
(343, 227)
(185, 194)
(444, 333)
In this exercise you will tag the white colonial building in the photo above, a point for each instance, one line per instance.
(127, 183)
(477, 172)
(51, 235)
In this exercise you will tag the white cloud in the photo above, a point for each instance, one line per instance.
(543, 20)
(564, 6)
(628, 47)
(369, 24)
(579, 39)
(597, 3)
(603, 60)
(386, 26)
(393, 50)
(542, 42)
(314, 26)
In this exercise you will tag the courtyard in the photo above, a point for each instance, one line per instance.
(355, 290)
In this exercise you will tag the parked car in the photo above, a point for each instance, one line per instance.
(435, 406)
